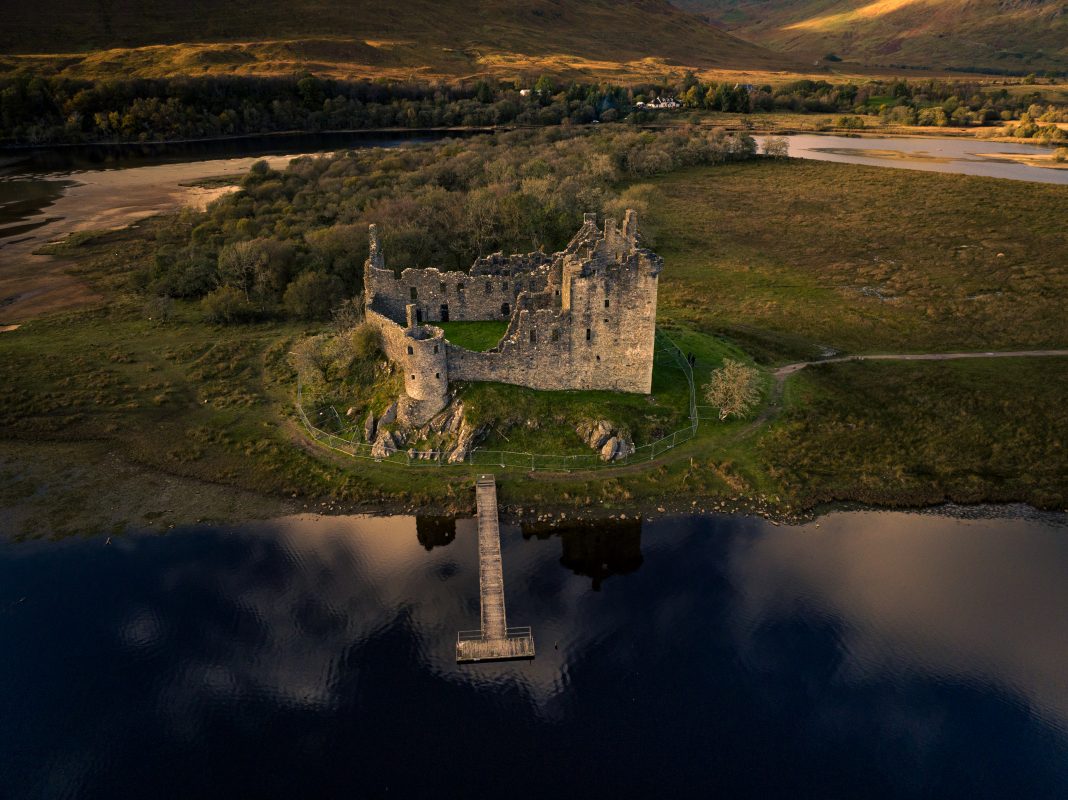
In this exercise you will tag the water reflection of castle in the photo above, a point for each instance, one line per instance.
(435, 531)
(596, 550)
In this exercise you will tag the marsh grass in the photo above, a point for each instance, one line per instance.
(920, 433)
(788, 259)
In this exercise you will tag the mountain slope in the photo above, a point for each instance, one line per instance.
(1015, 35)
(429, 36)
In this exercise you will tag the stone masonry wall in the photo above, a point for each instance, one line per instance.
(584, 318)
(463, 296)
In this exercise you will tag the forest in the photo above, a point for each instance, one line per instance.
(37, 109)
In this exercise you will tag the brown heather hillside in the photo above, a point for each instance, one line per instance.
(594, 38)
(1011, 35)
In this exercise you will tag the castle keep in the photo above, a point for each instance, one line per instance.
(583, 318)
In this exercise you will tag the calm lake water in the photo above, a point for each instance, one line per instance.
(866, 655)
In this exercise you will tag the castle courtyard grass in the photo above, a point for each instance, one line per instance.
(477, 336)
(111, 420)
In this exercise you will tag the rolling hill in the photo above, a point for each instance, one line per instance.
(364, 37)
(1010, 35)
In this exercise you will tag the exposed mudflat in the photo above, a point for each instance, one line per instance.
(42, 209)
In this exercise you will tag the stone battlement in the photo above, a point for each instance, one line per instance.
(582, 318)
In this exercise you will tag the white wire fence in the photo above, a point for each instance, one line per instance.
(345, 440)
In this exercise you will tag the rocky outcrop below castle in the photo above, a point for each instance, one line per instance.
(447, 437)
(610, 442)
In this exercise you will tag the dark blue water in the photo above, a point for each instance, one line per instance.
(874, 655)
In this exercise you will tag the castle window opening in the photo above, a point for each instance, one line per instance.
(505, 310)
(435, 349)
(606, 302)
(460, 286)
(533, 337)
(589, 334)
(419, 315)
(444, 312)
(555, 335)
(437, 375)
(598, 358)
(410, 350)
(444, 287)
(489, 287)
(504, 286)
(414, 293)
(413, 377)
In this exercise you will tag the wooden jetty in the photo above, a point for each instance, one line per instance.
(495, 641)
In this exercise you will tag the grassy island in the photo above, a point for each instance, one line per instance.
(768, 261)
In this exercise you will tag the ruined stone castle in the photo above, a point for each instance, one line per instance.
(583, 318)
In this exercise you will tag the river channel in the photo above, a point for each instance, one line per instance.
(865, 654)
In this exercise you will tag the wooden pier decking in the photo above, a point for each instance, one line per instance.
(495, 641)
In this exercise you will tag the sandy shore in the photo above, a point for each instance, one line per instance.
(31, 285)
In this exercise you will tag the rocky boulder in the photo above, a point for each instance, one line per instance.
(389, 416)
(609, 441)
(369, 428)
(384, 445)
(595, 433)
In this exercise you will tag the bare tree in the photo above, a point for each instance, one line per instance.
(777, 147)
(734, 389)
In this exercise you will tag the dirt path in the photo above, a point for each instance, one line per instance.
(782, 373)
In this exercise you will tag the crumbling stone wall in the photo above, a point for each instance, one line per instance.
(488, 292)
(583, 318)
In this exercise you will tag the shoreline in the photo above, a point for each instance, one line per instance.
(238, 137)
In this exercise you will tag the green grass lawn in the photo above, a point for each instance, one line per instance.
(476, 336)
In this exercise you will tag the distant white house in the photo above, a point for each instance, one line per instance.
(659, 104)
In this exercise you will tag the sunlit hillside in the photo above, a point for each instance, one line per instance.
(597, 38)
(1009, 35)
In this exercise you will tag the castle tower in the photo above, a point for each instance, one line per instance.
(426, 371)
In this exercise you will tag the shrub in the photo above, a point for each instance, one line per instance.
(159, 310)
(1061, 155)
(777, 147)
(226, 305)
(312, 295)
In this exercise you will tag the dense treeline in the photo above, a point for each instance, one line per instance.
(295, 241)
(42, 110)
(36, 109)
(930, 102)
